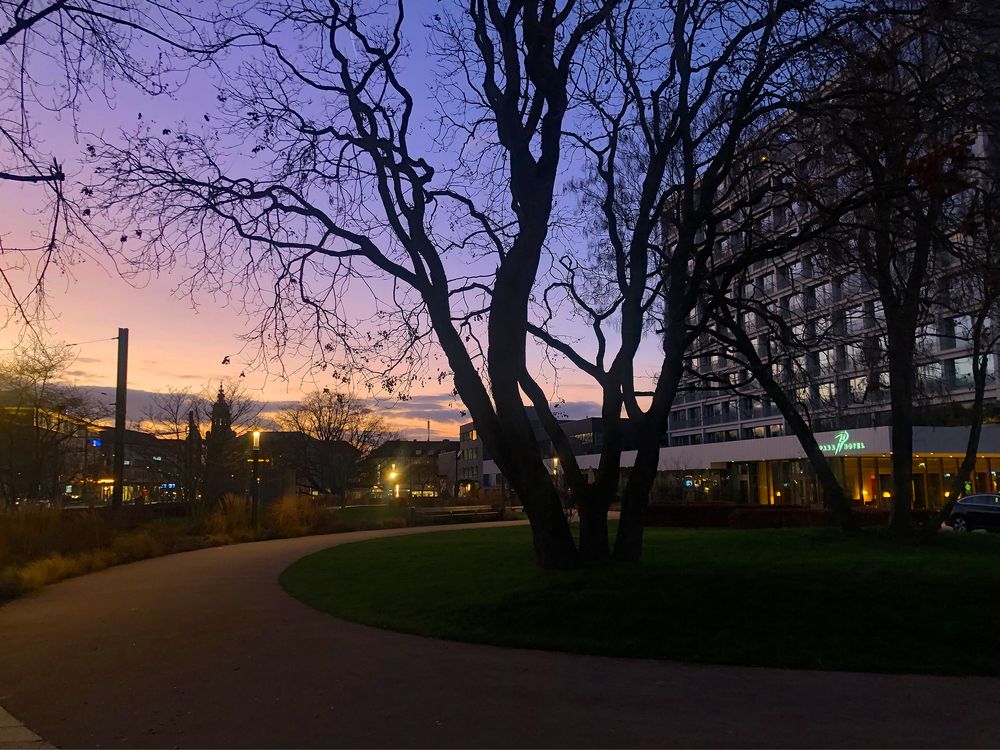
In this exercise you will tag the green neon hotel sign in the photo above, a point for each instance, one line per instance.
(842, 443)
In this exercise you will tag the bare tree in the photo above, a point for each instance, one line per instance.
(972, 303)
(175, 416)
(656, 103)
(343, 431)
(43, 423)
(684, 111)
(903, 119)
(56, 55)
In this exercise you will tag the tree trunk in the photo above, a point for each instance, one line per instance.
(628, 541)
(631, 527)
(979, 373)
(553, 542)
(834, 496)
(594, 545)
(901, 375)
(508, 435)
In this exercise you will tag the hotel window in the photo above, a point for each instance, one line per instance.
(855, 319)
(783, 278)
(859, 388)
(930, 374)
(960, 329)
(854, 356)
(753, 433)
(822, 326)
(775, 430)
(878, 312)
(795, 271)
(850, 284)
(927, 338)
(962, 372)
(780, 215)
(766, 283)
(822, 294)
(808, 267)
(794, 302)
(826, 392)
(828, 361)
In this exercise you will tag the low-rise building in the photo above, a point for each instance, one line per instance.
(402, 470)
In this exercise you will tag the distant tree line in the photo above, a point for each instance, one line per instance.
(196, 443)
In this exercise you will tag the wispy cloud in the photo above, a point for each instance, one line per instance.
(409, 417)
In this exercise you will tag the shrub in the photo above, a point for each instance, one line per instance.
(57, 567)
(139, 545)
(229, 521)
(30, 533)
(296, 515)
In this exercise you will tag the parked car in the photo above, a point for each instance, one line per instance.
(976, 512)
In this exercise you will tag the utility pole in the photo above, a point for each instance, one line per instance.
(117, 492)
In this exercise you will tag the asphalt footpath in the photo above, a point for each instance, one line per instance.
(204, 649)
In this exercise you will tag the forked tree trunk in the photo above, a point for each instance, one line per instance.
(522, 466)
(551, 537)
(635, 498)
(594, 545)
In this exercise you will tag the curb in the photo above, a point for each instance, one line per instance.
(13, 734)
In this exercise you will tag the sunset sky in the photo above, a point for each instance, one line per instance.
(176, 341)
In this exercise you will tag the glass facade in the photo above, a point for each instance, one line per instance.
(867, 481)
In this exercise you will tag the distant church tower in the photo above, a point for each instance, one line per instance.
(192, 468)
(220, 468)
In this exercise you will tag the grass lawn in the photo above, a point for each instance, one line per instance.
(807, 598)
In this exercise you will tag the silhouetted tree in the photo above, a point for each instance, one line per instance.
(658, 103)
(345, 431)
(43, 423)
(175, 416)
(902, 121)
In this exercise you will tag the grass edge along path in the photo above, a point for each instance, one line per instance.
(794, 598)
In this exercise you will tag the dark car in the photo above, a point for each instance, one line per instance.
(976, 512)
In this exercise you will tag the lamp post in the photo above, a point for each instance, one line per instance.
(255, 489)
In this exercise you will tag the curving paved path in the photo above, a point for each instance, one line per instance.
(204, 649)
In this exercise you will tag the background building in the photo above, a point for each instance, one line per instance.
(402, 470)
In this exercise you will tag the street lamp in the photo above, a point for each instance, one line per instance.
(255, 497)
